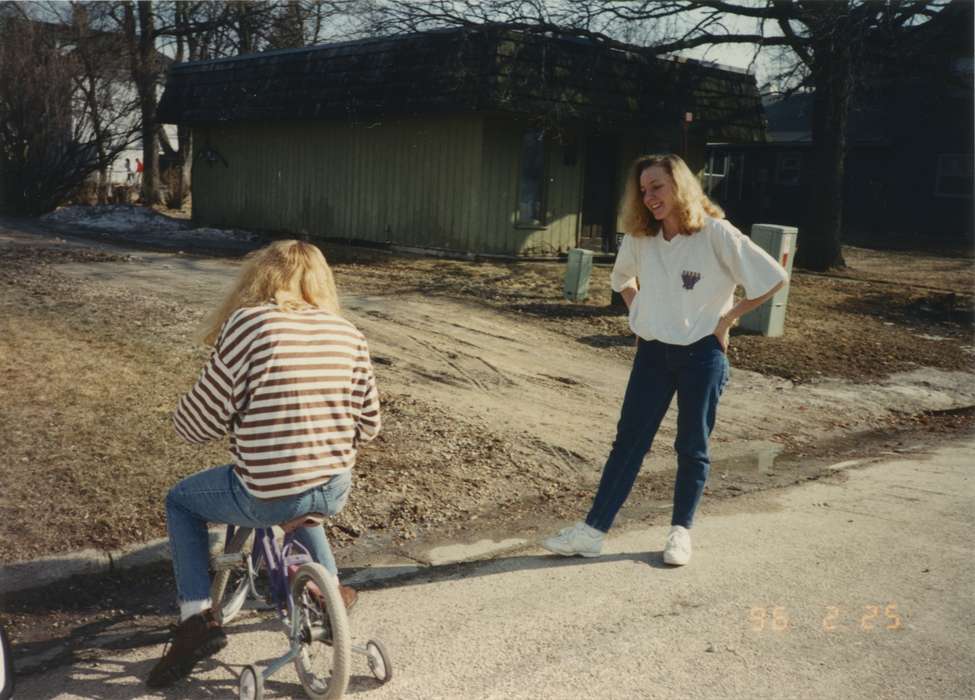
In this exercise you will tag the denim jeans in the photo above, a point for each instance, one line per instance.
(217, 496)
(697, 373)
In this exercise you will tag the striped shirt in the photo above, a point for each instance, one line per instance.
(296, 392)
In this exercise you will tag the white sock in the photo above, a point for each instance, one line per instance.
(189, 608)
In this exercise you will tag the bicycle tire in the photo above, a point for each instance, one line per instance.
(227, 604)
(379, 661)
(337, 652)
(7, 680)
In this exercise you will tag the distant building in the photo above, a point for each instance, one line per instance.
(113, 98)
(474, 141)
(909, 147)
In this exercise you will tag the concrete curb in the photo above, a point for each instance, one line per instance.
(19, 576)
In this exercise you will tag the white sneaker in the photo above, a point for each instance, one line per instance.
(678, 549)
(578, 539)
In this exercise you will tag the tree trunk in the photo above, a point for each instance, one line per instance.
(185, 159)
(104, 185)
(820, 239)
(185, 40)
(146, 86)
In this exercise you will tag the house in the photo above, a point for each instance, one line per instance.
(487, 140)
(78, 120)
(909, 147)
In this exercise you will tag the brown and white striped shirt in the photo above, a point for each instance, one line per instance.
(296, 391)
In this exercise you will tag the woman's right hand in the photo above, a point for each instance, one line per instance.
(723, 332)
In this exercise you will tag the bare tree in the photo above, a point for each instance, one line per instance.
(77, 85)
(828, 44)
(60, 116)
(192, 35)
(252, 26)
(200, 30)
(137, 21)
(821, 48)
(102, 84)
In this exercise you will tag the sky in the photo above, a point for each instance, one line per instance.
(737, 55)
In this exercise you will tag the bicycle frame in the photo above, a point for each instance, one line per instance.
(283, 561)
(278, 558)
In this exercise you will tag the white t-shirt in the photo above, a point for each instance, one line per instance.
(688, 282)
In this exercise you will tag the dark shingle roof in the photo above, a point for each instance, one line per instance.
(487, 69)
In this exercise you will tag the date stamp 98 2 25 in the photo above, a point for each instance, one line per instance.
(865, 618)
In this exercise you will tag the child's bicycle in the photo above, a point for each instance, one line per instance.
(305, 596)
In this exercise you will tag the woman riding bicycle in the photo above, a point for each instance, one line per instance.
(291, 381)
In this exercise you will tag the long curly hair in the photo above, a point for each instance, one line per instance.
(292, 274)
(693, 206)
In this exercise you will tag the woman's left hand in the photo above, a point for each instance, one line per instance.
(723, 332)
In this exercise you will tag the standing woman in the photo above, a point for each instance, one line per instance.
(291, 381)
(677, 270)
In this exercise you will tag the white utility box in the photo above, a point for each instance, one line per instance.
(577, 274)
(779, 242)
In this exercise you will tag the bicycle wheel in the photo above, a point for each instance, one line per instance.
(378, 658)
(6, 667)
(251, 684)
(324, 661)
(229, 588)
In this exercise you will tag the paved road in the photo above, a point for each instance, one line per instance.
(858, 586)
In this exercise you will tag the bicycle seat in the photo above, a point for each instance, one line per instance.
(306, 520)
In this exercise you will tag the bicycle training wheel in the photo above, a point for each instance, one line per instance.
(251, 684)
(230, 586)
(378, 658)
(324, 661)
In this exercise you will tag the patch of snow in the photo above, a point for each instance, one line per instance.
(223, 234)
(114, 217)
(142, 223)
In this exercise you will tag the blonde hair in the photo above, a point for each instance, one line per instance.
(693, 206)
(291, 274)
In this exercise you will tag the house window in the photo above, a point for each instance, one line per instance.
(715, 171)
(531, 182)
(788, 169)
(726, 187)
(954, 176)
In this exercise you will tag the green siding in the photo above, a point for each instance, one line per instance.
(448, 183)
(499, 196)
(412, 182)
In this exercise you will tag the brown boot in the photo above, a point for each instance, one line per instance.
(193, 639)
(349, 596)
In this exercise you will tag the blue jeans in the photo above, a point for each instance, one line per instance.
(217, 496)
(697, 373)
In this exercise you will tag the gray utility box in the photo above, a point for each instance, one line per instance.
(577, 274)
(779, 242)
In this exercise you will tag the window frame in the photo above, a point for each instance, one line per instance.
(539, 198)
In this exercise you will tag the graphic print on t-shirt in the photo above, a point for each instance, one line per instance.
(690, 278)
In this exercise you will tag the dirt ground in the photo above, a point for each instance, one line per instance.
(96, 346)
(903, 310)
(91, 372)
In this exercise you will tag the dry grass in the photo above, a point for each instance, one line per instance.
(88, 377)
(84, 403)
